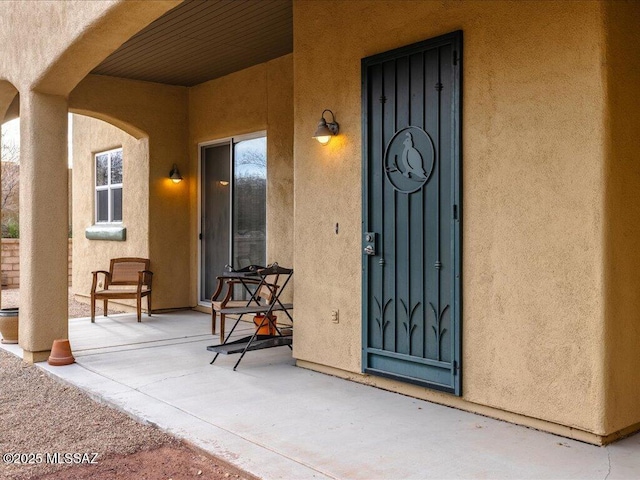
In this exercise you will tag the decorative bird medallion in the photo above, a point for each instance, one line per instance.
(412, 160)
(409, 159)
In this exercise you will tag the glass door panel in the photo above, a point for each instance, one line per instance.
(249, 202)
(216, 215)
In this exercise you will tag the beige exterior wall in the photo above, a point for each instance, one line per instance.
(96, 136)
(533, 145)
(255, 99)
(550, 226)
(622, 215)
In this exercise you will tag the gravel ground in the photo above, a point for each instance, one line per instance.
(40, 415)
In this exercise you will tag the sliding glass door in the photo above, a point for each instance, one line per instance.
(233, 207)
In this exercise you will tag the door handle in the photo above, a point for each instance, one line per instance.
(370, 243)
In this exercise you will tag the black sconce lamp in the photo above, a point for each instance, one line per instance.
(174, 174)
(325, 130)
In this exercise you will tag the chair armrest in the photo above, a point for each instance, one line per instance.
(228, 292)
(95, 279)
(219, 285)
(142, 274)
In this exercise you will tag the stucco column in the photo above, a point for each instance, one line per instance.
(44, 222)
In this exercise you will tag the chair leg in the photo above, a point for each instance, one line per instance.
(105, 306)
(213, 321)
(93, 309)
(149, 305)
(139, 308)
(222, 328)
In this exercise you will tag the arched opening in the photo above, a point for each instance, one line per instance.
(9, 191)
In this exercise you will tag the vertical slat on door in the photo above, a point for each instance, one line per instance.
(376, 212)
(416, 211)
(446, 205)
(388, 198)
(403, 247)
(431, 200)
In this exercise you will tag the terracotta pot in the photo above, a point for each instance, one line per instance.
(267, 327)
(9, 325)
(61, 353)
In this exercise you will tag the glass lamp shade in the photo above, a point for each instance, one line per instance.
(174, 174)
(323, 133)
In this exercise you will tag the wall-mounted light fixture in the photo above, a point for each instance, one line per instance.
(325, 130)
(174, 174)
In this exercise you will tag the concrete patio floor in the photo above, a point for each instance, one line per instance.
(276, 420)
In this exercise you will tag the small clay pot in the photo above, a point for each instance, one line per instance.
(61, 353)
(9, 325)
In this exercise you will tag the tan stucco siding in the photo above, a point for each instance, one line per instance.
(532, 193)
(256, 99)
(158, 112)
(93, 136)
(73, 36)
(26, 56)
(623, 215)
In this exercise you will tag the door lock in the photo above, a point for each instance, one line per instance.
(370, 243)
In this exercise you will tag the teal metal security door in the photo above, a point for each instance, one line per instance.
(411, 213)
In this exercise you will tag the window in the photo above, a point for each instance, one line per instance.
(109, 186)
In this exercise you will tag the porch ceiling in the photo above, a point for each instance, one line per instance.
(200, 40)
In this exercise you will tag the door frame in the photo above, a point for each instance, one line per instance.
(456, 39)
(212, 143)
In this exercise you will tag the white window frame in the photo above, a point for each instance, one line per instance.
(109, 187)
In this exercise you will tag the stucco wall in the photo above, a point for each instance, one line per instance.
(532, 193)
(159, 113)
(93, 136)
(255, 99)
(73, 37)
(622, 240)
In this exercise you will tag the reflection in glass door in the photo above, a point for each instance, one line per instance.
(233, 208)
(249, 202)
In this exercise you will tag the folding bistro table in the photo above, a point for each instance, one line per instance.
(273, 281)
